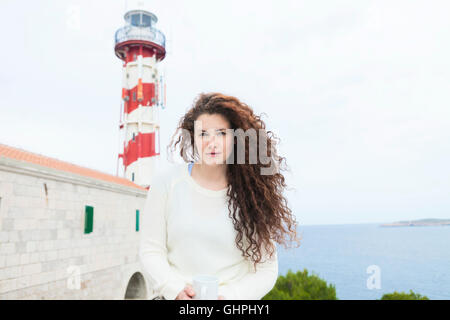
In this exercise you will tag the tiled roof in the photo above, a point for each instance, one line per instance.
(23, 155)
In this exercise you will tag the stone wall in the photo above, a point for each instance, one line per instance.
(44, 252)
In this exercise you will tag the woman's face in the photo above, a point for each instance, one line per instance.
(213, 141)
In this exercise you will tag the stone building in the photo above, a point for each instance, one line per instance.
(67, 232)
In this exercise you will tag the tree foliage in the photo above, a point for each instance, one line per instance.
(304, 286)
(403, 296)
(301, 286)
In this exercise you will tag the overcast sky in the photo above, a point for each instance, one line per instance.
(358, 91)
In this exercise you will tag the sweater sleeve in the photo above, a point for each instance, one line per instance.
(253, 285)
(166, 281)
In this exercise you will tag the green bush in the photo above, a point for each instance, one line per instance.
(403, 296)
(301, 286)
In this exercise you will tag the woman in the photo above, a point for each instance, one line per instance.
(222, 213)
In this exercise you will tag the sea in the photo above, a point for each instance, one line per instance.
(364, 261)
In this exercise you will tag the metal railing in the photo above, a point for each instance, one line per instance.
(140, 33)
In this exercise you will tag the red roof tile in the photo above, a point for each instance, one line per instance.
(22, 155)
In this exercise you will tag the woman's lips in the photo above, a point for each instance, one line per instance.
(213, 154)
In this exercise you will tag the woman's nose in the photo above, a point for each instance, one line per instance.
(212, 139)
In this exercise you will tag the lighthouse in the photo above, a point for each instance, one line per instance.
(141, 47)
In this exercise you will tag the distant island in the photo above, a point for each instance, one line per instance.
(418, 223)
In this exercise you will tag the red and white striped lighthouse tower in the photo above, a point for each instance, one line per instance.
(140, 46)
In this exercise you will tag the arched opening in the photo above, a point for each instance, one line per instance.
(136, 287)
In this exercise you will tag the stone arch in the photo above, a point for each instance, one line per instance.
(136, 288)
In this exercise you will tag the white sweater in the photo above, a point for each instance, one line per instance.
(186, 231)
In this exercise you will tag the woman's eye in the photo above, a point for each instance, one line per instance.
(222, 133)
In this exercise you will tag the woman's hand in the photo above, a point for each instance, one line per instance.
(186, 294)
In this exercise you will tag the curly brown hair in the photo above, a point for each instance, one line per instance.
(256, 204)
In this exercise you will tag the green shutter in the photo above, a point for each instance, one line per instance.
(137, 220)
(88, 219)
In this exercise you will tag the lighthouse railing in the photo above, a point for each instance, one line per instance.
(138, 33)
